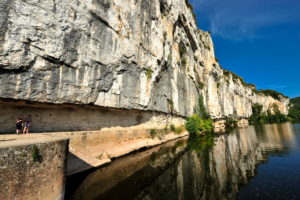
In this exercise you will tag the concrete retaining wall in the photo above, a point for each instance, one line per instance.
(33, 171)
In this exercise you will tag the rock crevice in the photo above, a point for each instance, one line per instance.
(145, 55)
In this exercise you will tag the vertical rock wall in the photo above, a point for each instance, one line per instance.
(144, 55)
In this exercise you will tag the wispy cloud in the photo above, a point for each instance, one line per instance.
(244, 19)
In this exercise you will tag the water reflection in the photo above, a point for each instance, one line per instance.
(216, 169)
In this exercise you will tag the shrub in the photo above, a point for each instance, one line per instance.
(171, 105)
(197, 126)
(256, 113)
(201, 85)
(182, 49)
(172, 128)
(165, 35)
(273, 115)
(201, 143)
(294, 112)
(153, 133)
(35, 154)
(184, 62)
(149, 73)
(166, 130)
(201, 110)
(231, 123)
(179, 130)
(272, 93)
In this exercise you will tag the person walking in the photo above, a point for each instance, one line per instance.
(28, 124)
(19, 125)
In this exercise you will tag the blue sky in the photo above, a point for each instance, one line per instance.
(257, 39)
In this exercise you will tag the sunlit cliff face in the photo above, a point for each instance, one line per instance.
(145, 55)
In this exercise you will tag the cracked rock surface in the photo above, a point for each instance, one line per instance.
(145, 55)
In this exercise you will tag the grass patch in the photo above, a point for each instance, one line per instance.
(179, 130)
(35, 154)
(153, 133)
(149, 73)
(172, 128)
(231, 124)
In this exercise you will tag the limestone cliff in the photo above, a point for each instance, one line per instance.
(144, 55)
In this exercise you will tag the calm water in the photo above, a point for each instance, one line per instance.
(261, 162)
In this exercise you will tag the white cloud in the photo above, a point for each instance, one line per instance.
(244, 19)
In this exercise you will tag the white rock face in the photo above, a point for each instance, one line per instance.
(133, 54)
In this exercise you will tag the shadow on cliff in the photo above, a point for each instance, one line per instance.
(67, 117)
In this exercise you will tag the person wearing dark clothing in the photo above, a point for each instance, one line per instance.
(19, 125)
(27, 125)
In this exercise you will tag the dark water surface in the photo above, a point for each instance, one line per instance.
(261, 162)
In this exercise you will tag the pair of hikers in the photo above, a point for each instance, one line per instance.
(26, 125)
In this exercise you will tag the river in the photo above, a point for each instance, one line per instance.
(257, 162)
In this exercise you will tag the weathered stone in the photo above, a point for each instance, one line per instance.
(33, 171)
(119, 54)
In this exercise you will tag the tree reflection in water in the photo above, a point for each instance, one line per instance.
(207, 167)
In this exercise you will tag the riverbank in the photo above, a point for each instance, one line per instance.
(68, 152)
(245, 164)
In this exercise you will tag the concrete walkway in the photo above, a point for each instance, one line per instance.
(7, 140)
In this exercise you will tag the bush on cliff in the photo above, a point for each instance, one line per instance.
(197, 126)
(201, 110)
(201, 122)
(273, 115)
(231, 124)
(294, 112)
(256, 113)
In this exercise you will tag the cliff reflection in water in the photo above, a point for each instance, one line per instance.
(180, 170)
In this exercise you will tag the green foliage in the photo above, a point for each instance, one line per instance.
(179, 130)
(268, 117)
(294, 112)
(201, 143)
(182, 49)
(171, 105)
(172, 128)
(201, 110)
(165, 35)
(166, 130)
(35, 154)
(23, 154)
(272, 93)
(170, 57)
(153, 133)
(201, 85)
(231, 123)
(184, 62)
(197, 126)
(149, 73)
(236, 78)
(256, 113)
